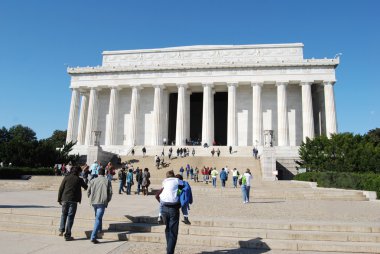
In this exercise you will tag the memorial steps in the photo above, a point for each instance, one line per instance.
(274, 235)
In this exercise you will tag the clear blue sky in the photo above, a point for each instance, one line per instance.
(39, 38)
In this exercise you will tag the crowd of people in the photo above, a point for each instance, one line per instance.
(175, 194)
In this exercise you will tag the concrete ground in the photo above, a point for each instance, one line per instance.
(216, 208)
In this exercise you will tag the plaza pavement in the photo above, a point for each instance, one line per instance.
(205, 208)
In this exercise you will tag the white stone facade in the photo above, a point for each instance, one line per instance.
(269, 87)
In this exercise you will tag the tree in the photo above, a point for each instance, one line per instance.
(374, 136)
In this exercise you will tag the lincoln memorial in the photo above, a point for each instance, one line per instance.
(228, 95)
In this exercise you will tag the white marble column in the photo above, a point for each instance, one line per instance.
(307, 111)
(187, 113)
(111, 124)
(82, 120)
(257, 115)
(133, 115)
(157, 121)
(180, 131)
(72, 128)
(92, 117)
(331, 127)
(208, 114)
(282, 114)
(231, 115)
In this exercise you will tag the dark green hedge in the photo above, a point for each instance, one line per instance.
(344, 180)
(16, 172)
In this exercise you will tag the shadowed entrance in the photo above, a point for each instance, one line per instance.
(220, 118)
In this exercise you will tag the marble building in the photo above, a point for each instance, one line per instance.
(223, 94)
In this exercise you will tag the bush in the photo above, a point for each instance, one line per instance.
(344, 180)
(344, 152)
(16, 172)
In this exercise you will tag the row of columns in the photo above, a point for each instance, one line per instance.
(89, 114)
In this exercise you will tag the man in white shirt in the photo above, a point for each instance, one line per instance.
(169, 198)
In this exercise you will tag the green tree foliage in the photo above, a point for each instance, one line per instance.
(374, 136)
(19, 146)
(343, 152)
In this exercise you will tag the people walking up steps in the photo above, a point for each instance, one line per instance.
(100, 194)
(69, 195)
(245, 182)
(170, 210)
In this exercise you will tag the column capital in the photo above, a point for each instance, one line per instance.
(282, 83)
(137, 87)
(208, 84)
(253, 84)
(96, 88)
(235, 84)
(306, 83)
(118, 88)
(184, 85)
(159, 85)
(331, 82)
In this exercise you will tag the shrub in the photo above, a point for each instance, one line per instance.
(16, 172)
(345, 180)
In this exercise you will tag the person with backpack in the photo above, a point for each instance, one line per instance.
(235, 176)
(245, 182)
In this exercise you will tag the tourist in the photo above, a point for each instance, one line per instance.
(146, 181)
(133, 152)
(143, 151)
(255, 152)
(157, 162)
(100, 194)
(63, 169)
(121, 177)
(193, 152)
(191, 173)
(69, 195)
(186, 199)
(227, 172)
(218, 152)
(85, 173)
(129, 180)
(214, 173)
(196, 175)
(181, 170)
(223, 177)
(235, 176)
(230, 149)
(68, 167)
(94, 170)
(139, 178)
(245, 181)
(178, 152)
(213, 152)
(170, 211)
(110, 171)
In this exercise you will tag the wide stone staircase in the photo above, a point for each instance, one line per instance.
(218, 217)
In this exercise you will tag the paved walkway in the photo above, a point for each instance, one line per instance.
(210, 208)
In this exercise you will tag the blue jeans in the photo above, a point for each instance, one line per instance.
(170, 216)
(99, 212)
(69, 210)
(223, 183)
(245, 191)
(138, 188)
(185, 210)
(214, 181)
(121, 186)
(234, 179)
(129, 186)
